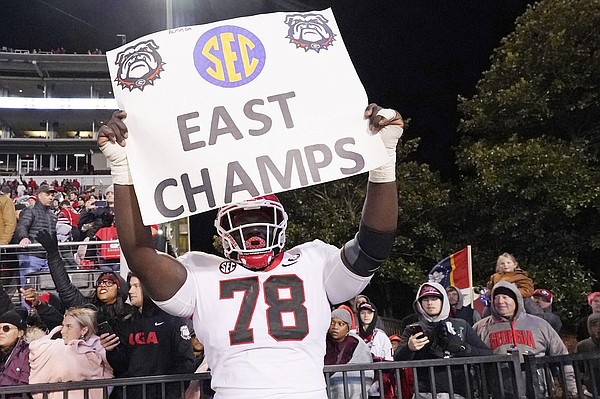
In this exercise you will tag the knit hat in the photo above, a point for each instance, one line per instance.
(592, 296)
(109, 276)
(504, 291)
(545, 294)
(15, 318)
(109, 189)
(343, 315)
(429, 290)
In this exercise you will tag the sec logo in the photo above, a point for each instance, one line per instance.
(229, 56)
(227, 267)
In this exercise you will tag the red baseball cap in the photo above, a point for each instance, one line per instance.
(545, 294)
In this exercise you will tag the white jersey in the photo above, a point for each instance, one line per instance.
(264, 332)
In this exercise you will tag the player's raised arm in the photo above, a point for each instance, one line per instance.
(375, 238)
(161, 275)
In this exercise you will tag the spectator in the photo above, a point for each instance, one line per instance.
(376, 339)
(534, 335)
(290, 317)
(591, 344)
(76, 356)
(436, 336)
(72, 217)
(152, 342)
(507, 269)
(593, 301)
(8, 217)
(406, 380)
(359, 300)
(379, 344)
(14, 350)
(31, 222)
(544, 299)
(458, 310)
(32, 185)
(109, 296)
(342, 347)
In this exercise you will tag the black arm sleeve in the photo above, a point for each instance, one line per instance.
(69, 294)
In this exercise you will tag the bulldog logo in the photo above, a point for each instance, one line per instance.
(309, 31)
(139, 65)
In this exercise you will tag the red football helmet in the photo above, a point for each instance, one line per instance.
(252, 231)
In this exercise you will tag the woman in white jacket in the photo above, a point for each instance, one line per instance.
(77, 356)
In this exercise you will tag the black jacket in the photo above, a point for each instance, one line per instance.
(33, 220)
(70, 295)
(153, 342)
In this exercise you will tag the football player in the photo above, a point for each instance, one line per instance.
(261, 312)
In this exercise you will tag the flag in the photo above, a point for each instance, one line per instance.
(455, 270)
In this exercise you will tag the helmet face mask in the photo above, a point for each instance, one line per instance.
(252, 231)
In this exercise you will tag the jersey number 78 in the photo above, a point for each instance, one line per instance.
(277, 306)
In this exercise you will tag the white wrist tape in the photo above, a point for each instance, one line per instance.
(119, 166)
(390, 135)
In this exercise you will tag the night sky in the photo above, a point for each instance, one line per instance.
(415, 56)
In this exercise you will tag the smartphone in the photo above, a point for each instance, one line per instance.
(415, 328)
(101, 203)
(104, 327)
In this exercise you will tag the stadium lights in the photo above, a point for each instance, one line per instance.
(57, 103)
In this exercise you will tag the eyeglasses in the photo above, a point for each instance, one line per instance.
(6, 328)
(106, 283)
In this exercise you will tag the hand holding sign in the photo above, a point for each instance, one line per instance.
(231, 107)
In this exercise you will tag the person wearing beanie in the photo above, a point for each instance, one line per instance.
(544, 299)
(593, 301)
(343, 347)
(510, 327)
(14, 350)
(435, 336)
(591, 345)
(109, 297)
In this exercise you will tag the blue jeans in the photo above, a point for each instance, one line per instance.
(30, 264)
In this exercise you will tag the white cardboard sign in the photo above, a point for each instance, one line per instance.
(222, 112)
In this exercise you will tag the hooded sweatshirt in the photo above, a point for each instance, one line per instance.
(434, 327)
(153, 342)
(528, 333)
(460, 311)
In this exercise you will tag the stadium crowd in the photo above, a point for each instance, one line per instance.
(118, 331)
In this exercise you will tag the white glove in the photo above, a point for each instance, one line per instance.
(390, 135)
(119, 166)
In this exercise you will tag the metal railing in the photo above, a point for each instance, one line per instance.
(498, 376)
(83, 263)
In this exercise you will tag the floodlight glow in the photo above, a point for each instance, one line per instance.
(57, 103)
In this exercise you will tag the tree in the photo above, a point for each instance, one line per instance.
(529, 156)
(544, 77)
(331, 212)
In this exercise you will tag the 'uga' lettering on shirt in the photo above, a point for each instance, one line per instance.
(523, 337)
(142, 339)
